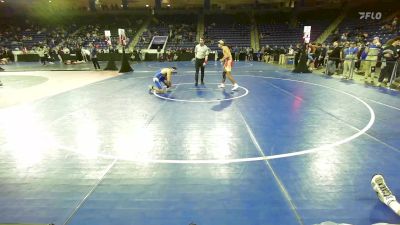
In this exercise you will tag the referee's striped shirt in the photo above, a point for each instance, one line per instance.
(201, 51)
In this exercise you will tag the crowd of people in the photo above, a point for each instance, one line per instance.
(178, 34)
(346, 54)
(347, 58)
(5, 55)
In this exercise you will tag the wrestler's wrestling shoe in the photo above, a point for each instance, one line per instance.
(382, 191)
(384, 194)
(151, 89)
(235, 87)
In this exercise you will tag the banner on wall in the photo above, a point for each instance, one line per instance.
(307, 34)
(122, 37)
(107, 35)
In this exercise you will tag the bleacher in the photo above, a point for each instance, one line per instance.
(234, 30)
(88, 33)
(83, 32)
(279, 34)
(278, 30)
(22, 33)
(171, 26)
(354, 26)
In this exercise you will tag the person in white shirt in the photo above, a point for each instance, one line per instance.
(66, 51)
(291, 50)
(41, 52)
(201, 52)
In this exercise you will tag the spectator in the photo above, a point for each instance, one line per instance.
(334, 58)
(297, 53)
(373, 51)
(282, 56)
(394, 24)
(350, 53)
(236, 51)
(159, 53)
(390, 55)
(93, 56)
(357, 64)
(42, 55)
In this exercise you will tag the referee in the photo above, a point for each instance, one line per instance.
(201, 53)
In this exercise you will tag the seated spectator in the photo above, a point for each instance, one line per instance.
(394, 24)
(66, 51)
(3, 61)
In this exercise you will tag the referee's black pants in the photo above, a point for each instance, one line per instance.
(95, 63)
(199, 65)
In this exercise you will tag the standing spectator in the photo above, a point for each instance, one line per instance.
(169, 55)
(40, 52)
(247, 54)
(267, 53)
(159, 53)
(78, 53)
(46, 53)
(282, 56)
(237, 53)
(60, 54)
(85, 54)
(259, 55)
(371, 59)
(350, 53)
(357, 61)
(390, 54)
(242, 52)
(334, 59)
(93, 56)
(251, 54)
(317, 55)
(311, 48)
(290, 50)
(297, 53)
(216, 56)
(363, 56)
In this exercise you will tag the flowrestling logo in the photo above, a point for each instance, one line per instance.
(370, 15)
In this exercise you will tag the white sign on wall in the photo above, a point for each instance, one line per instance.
(307, 34)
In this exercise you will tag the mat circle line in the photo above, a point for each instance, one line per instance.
(260, 158)
(246, 92)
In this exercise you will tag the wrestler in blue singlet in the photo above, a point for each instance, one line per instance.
(158, 78)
